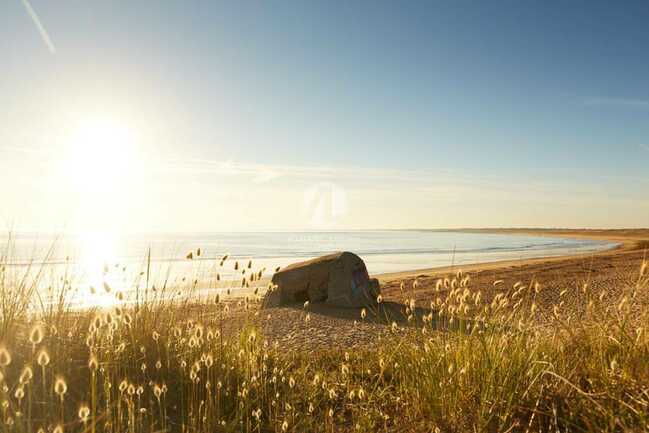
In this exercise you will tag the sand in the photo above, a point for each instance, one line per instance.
(342, 328)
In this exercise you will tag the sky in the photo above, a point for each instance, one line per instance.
(164, 116)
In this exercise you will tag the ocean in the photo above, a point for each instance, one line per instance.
(103, 262)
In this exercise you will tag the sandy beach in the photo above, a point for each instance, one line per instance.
(328, 327)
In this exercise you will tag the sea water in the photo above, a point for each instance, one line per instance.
(103, 262)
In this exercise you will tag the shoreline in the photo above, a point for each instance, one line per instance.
(560, 277)
(627, 240)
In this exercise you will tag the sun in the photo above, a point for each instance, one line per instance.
(99, 174)
(100, 155)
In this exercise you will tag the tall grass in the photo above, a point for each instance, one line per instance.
(457, 364)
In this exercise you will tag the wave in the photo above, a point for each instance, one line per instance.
(547, 247)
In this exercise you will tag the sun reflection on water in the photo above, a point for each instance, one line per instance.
(98, 265)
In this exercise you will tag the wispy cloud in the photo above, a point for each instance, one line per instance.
(41, 29)
(638, 104)
(442, 184)
(425, 181)
(260, 173)
(27, 150)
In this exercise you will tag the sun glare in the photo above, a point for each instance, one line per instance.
(98, 174)
(100, 155)
(97, 257)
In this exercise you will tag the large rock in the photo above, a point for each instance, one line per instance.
(339, 279)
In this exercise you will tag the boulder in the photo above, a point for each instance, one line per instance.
(338, 279)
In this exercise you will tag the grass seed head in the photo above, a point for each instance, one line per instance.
(43, 358)
(83, 413)
(36, 335)
(93, 363)
(5, 357)
(60, 387)
(26, 375)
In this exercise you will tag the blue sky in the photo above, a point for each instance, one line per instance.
(426, 114)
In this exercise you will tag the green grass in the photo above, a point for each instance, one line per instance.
(160, 366)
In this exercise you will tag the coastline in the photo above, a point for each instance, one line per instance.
(628, 241)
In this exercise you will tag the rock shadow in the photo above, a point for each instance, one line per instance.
(387, 313)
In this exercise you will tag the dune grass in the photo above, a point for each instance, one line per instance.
(508, 365)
